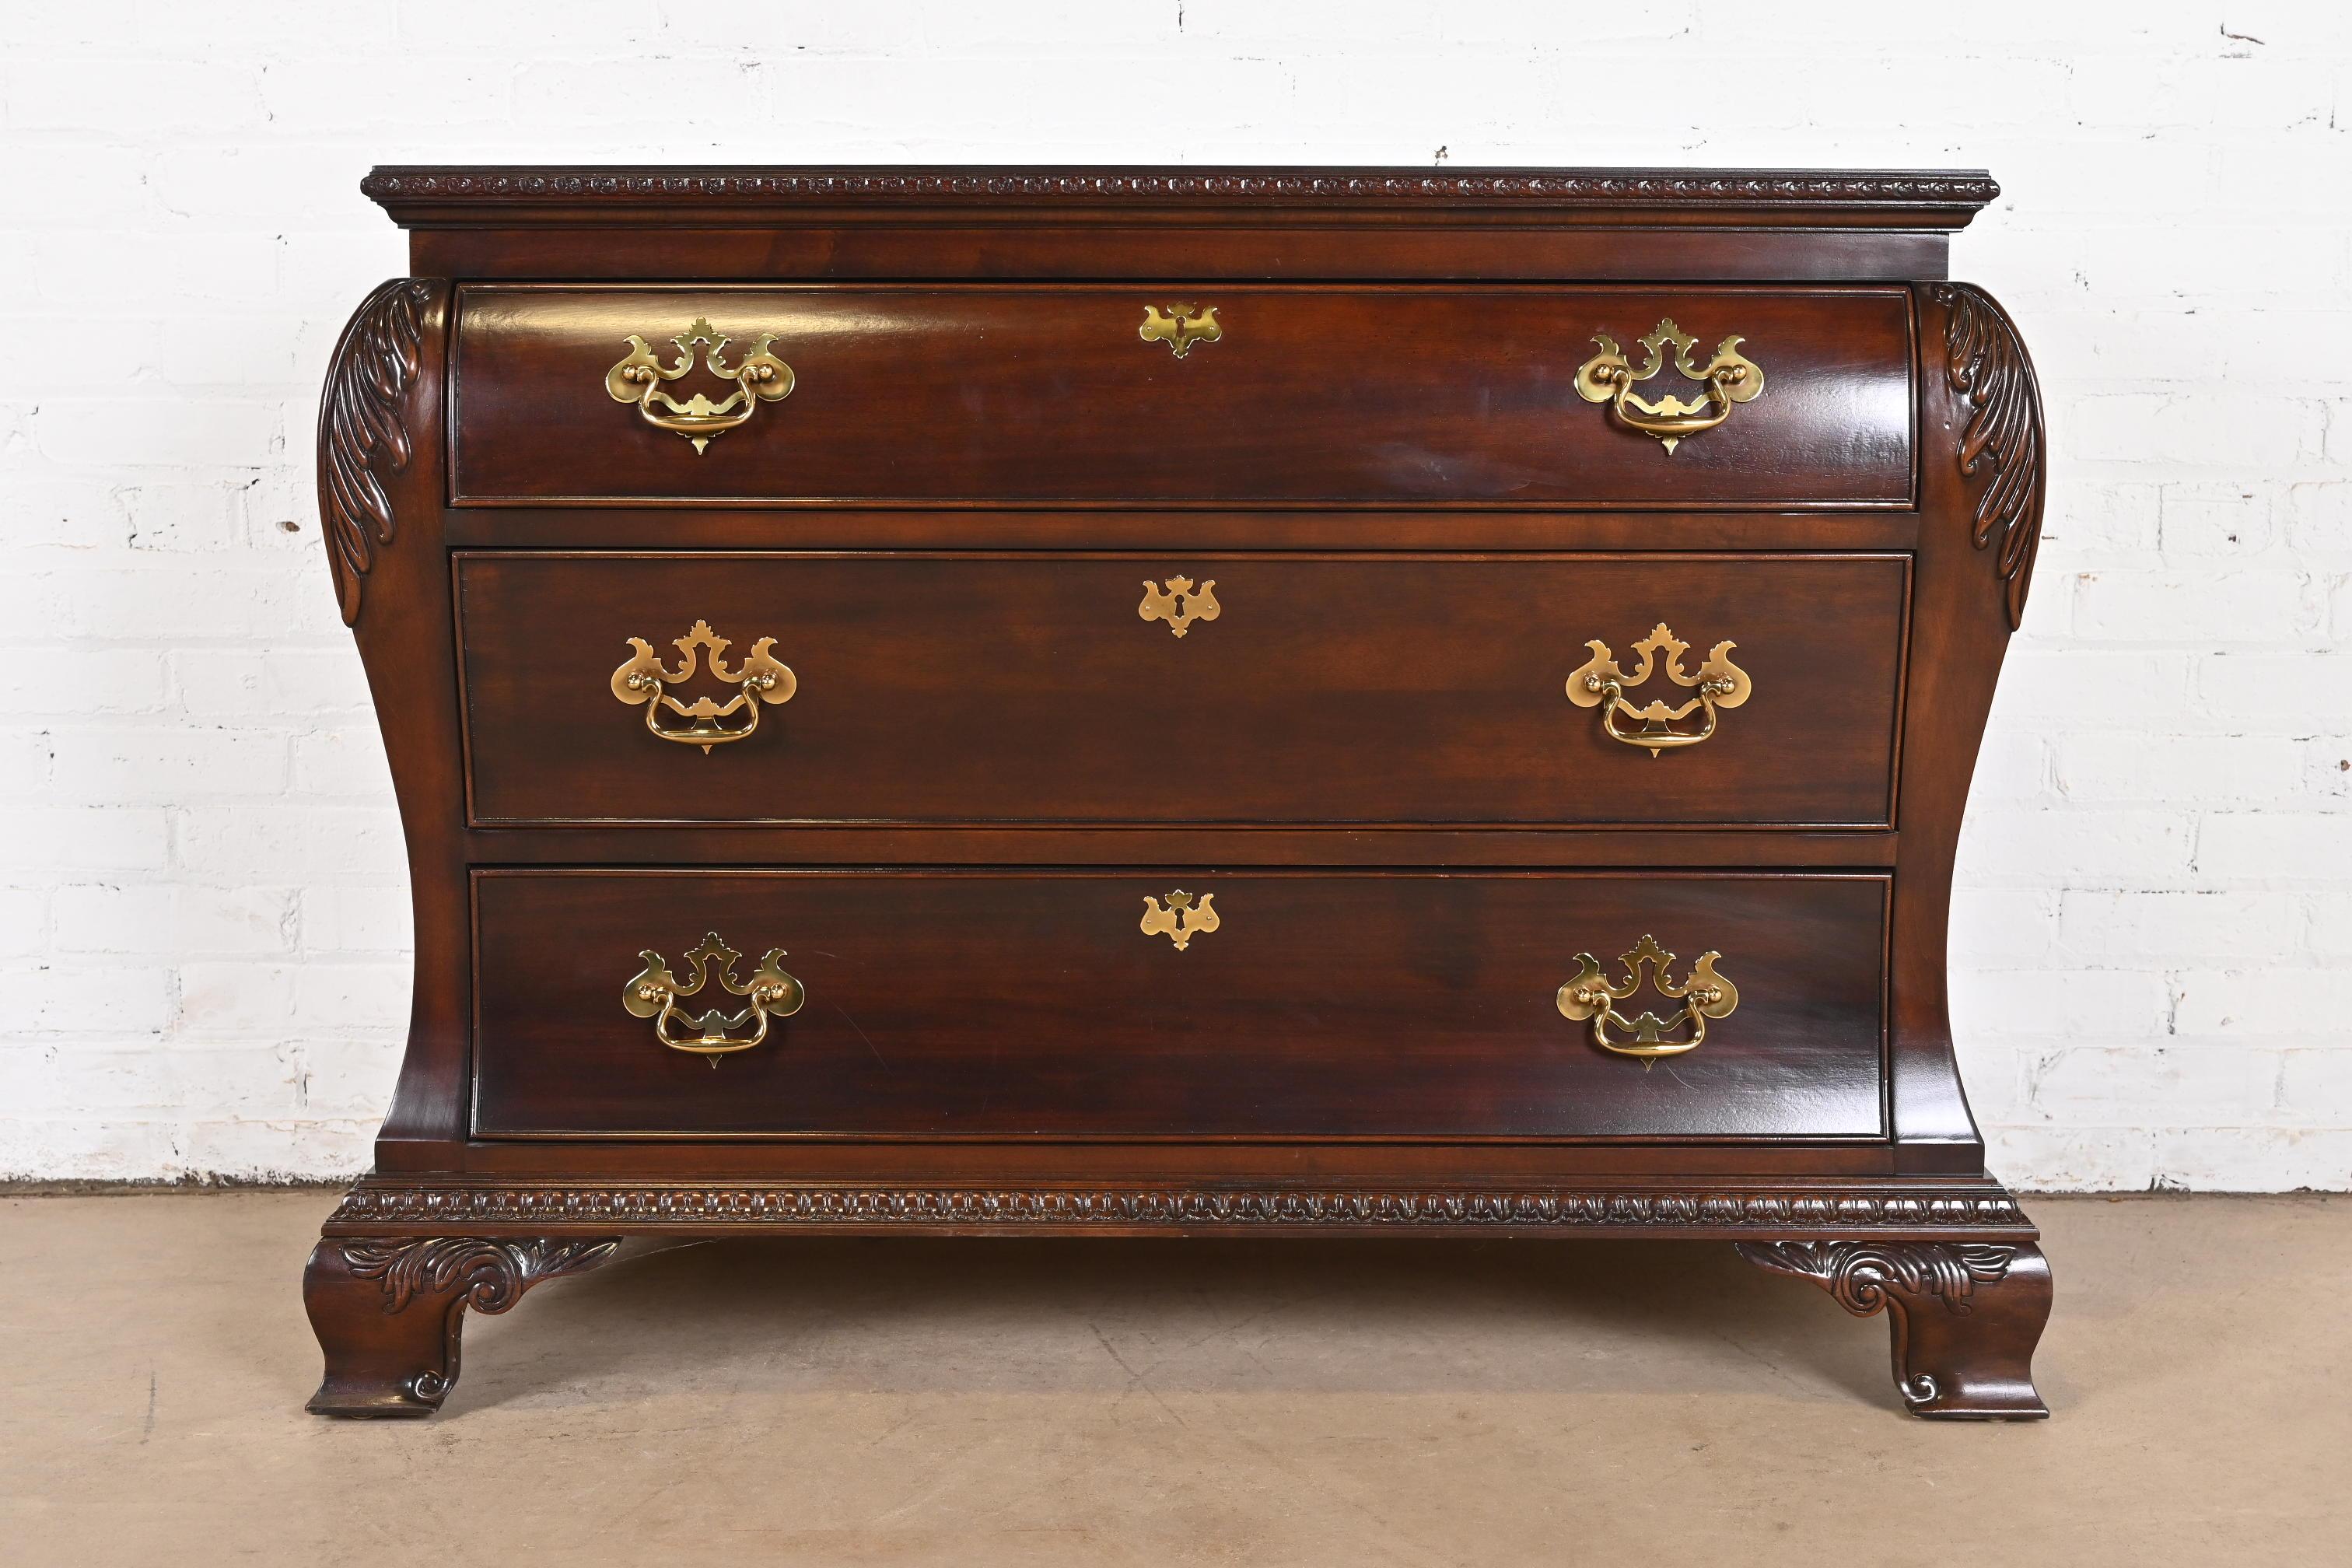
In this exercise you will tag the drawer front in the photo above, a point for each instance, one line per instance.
(1029, 688)
(1018, 1004)
(1410, 395)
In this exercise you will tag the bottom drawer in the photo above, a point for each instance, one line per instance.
(1091, 1004)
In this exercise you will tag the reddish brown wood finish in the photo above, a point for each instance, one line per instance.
(1501, 848)
(818, 249)
(1322, 394)
(1325, 1005)
(944, 687)
(1155, 530)
(1414, 525)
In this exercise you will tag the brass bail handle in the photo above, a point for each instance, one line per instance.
(1718, 684)
(759, 377)
(1731, 377)
(1703, 992)
(654, 992)
(644, 679)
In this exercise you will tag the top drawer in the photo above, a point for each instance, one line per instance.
(1408, 395)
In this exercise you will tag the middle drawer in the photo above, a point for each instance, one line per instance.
(1132, 690)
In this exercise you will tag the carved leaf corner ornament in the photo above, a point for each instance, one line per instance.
(2002, 450)
(441, 1277)
(364, 427)
(1952, 1361)
(488, 1276)
(1859, 1274)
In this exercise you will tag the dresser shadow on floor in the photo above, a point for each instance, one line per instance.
(1075, 1316)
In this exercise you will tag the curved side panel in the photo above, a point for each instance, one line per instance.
(381, 483)
(1982, 480)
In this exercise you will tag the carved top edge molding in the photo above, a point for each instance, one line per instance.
(1663, 189)
(378, 1204)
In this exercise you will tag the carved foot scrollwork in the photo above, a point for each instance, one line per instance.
(388, 1312)
(1965, 1315)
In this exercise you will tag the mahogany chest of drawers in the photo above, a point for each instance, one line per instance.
(1291, 701)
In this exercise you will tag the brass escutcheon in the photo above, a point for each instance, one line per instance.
(1182, 919)
(1180, 327)
(759, 678)
(655, 993)
(1729, 378)
(1179, 604)
(1704, 994)
(1599, 683)
(759, 377)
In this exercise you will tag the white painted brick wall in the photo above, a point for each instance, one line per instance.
(203, 921)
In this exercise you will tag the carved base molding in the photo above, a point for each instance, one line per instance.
(388, 1205)
(1965, 1315)
(1952, 1263)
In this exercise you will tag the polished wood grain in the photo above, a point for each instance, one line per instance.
(1230, 844)
(1031, 1004)
(952, 246)
(1449, 529)
(1366, 395)
(944, 687)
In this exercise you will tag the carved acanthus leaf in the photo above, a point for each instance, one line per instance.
(491, 1275)
(364, 428)
(1858, 1273)
(2001, 449)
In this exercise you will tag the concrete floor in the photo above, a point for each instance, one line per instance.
(1100, 1401)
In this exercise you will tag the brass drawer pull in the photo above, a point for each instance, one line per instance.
(759, 377)
(1179, 604)
(1182, 919)
(1180, 327)
(1599, 683)
(1729, 378)
(653, 993)
(1704, 994)
(643, 680)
